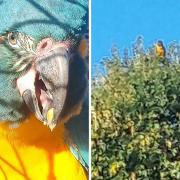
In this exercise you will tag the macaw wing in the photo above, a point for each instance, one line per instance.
(79, 134)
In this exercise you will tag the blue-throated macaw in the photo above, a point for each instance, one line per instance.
(43, 70)
(160, 49)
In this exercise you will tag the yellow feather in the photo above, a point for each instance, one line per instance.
(160, 51)
(32, 151)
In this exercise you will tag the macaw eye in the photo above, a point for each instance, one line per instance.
(20, 41)
(12, 39)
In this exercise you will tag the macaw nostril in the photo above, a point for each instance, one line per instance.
(44, 45)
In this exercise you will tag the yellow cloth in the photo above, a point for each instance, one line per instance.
(32, 151)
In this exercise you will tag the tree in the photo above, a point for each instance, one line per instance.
(135, 120)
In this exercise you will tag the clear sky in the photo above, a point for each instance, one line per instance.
(121, 21)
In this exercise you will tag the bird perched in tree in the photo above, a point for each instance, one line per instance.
(43, 87)
(160, 49)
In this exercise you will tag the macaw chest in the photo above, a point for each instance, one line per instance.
(32, 151)
(160, 51)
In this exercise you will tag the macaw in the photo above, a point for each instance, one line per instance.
(43, 90)
(160, 49)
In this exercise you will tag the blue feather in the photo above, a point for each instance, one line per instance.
(58, 18)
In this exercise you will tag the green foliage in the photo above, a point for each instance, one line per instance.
(135, 120)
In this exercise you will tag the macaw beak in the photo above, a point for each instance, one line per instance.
(45, 93)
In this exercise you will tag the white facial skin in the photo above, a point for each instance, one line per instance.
(41, 66)
(43, 48)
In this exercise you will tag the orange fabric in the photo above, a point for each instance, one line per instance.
(32, 151)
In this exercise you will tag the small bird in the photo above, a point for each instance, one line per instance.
(160, 49)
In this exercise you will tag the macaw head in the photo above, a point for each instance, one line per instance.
(39, 61)
(160, 43)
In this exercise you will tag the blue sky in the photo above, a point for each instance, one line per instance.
(121, 21)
